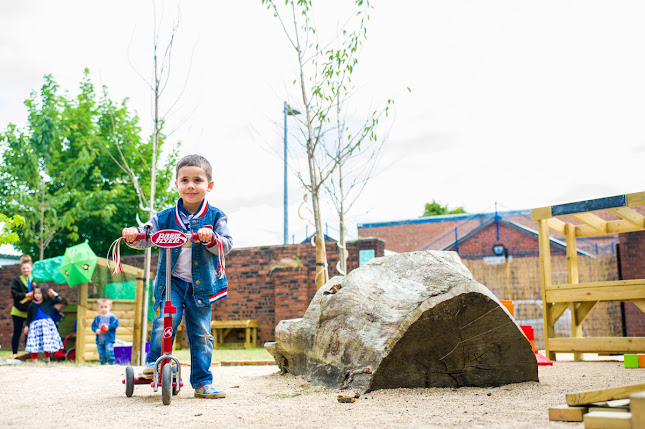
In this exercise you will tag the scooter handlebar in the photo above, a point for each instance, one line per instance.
(193, 236)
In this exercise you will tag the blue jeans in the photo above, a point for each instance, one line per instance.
(198, 329)
(106, 353)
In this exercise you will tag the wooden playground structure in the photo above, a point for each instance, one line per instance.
(581, 298)
(128, 311)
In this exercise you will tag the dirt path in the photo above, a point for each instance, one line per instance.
(258, 396)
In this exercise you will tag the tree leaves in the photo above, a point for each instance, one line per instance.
(59, 174)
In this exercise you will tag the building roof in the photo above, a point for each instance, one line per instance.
(437, 232)
(522, 228)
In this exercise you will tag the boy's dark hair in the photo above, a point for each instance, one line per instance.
(44, 290)
(196, 161)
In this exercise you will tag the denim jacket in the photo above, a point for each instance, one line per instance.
(207, 286)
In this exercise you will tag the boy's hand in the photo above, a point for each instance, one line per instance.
(206, 235)
(98, 332)
(130, 235)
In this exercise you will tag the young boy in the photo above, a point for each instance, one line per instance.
(104, 325)
(198, 280)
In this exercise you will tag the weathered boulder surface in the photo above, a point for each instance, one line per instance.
(408, 320)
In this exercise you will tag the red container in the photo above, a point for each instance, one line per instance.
(528, 331)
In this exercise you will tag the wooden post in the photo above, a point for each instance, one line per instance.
(135, 359)
(573, 278)
(81, 327)
(545, 272)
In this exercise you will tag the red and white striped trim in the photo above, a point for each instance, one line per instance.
(200, 213)
(219, 295)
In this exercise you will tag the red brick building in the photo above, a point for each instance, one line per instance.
(514, 229)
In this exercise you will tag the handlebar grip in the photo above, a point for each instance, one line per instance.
(141, 236)
(194, 236)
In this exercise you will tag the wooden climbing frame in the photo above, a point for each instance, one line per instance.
(581, 298)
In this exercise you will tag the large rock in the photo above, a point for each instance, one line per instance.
(408, 320)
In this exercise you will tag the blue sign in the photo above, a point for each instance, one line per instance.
(364, 256)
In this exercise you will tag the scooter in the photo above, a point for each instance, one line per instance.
(166, 374)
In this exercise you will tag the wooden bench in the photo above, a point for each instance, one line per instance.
(221, 328)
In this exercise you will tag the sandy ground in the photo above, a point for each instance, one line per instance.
(258, 396)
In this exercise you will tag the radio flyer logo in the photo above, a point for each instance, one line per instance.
(167, 333)
(169, 238)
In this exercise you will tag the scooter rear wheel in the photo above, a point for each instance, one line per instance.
(166, 384)
(129, 381)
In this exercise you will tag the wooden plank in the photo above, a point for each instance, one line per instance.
(541, 213)
(609, 409)
(613, 227)
(573, 278)
(556, 311)
(583, 310)
(609, 283)
(605, 293)
(565, 413)
(81, 325)
(607, 420)
(136, 328)
(637, 408)
(635, 199)
(557, 225)
(595, 222)
(590, 396)
(630, 216)
(572, 254)
(546, 279)
(599, 345)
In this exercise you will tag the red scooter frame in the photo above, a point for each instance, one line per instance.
(170, 379)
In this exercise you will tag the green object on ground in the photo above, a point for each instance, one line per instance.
(631, 361)
(47, 270)
(124, 290)
(78, 264)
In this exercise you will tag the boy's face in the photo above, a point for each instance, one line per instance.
(192, 185)
(104, 308)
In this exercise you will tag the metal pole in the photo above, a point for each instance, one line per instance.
(286, 215)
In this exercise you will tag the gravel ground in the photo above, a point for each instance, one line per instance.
(57, 396)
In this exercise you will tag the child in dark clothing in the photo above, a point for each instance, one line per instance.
(104, 325)
(57, 311)
(42, 335)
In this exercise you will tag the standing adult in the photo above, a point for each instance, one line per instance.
(22, 294)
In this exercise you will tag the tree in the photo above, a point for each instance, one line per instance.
(9, 223)
(357, 147)
(436, 209)
(58, 173)
(316, 72)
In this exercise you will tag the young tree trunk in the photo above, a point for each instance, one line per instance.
(322, 275)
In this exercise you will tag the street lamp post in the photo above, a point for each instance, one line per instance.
(287, 112)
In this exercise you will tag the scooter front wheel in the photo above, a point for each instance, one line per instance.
(166, 384)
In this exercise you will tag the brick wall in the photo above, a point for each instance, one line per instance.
(269, 284)
(632, 254)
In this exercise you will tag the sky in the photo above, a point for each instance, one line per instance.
(520, 103)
